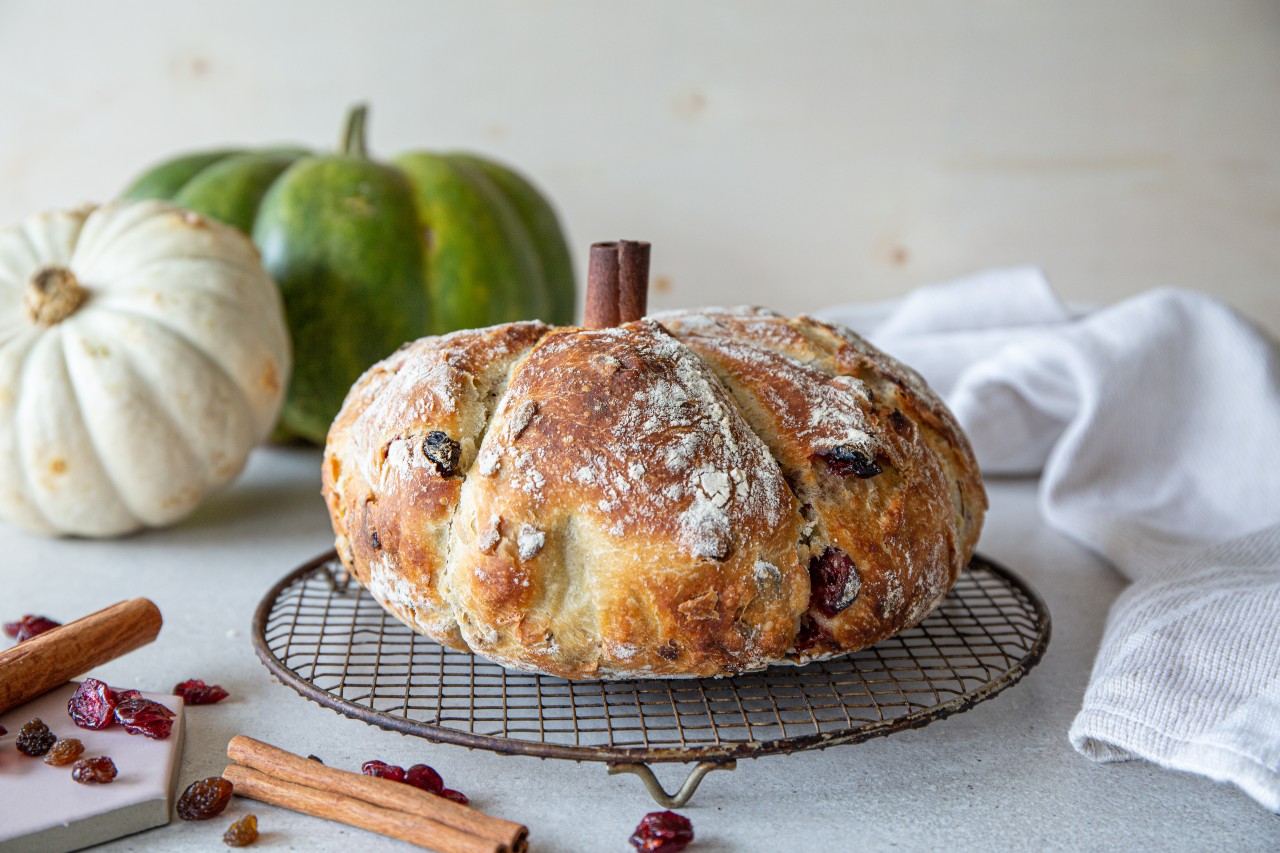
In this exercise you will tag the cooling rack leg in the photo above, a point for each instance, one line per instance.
(679, 798)
(336, 574)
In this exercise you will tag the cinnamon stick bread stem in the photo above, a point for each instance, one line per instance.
(602, 308)
(633, 280)
(617, 283)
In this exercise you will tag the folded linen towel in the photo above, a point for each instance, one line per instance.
(1155, 424)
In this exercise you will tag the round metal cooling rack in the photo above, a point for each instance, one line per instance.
(325, 636)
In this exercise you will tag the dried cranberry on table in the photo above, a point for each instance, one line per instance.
(383, 770)
(93, 705)
(420, 776)
(94, 771)
(457, 796)
(424, 777)
(204, 799)
(3, 731)
(29, 626)
(64, 752)
(35, 738)
(196, 692)
(662, 832)
(242, 833)
(141, 716)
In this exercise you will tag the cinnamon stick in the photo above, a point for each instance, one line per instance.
(633, 280)
(353, 812)
(281, 764)
(47, 660)
(601, 310)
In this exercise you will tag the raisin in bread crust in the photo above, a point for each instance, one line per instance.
(695, 494)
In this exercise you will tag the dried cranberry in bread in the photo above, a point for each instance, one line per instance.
(692, 494)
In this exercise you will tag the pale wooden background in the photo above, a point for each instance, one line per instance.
(794, 154)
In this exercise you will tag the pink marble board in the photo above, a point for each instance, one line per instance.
(43, 809)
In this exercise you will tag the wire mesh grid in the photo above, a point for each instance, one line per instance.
(330, 640)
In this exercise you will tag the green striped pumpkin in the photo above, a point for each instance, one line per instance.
(369, 255)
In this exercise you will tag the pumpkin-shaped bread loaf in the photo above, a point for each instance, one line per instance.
(692, 494)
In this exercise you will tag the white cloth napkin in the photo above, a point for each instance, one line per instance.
(1155, 425)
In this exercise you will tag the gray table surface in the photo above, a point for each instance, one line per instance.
(1000, 776)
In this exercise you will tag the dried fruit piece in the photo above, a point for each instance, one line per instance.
(383, 770)
(122, 695)
(812, 637)
(94, 771)
(93, 705)
(29, 626)
(204, 799)
(242, 833)
(3, 731)
(64, 752)
(845, 460)
(35, 738)
(834, 582)
(457, 796)
(132, 700)
(141, 716)
(196, 692)
(443, 451)
(662, 832)
(424, 777)
(36, 625)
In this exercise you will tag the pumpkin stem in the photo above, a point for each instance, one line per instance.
(52, 295)
(352, 143)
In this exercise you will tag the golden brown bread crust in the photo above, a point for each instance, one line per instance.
(807, 387)
(392, 509)
(698, 493)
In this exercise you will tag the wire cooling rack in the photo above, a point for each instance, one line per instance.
(326, 637)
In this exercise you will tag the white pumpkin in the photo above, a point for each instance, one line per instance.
(143, 353)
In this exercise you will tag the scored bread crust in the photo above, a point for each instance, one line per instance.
(661, 499)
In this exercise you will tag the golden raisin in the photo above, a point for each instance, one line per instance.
(242, 833)
(94, 771)
(64, 752)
